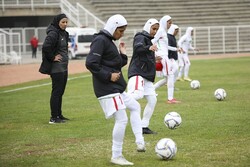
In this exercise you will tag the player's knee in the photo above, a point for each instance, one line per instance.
(137, 94)
(123, 121)
(136, 107)
(152, 102)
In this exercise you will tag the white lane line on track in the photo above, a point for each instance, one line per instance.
(40, 85)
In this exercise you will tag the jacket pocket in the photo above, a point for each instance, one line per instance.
(46, 66)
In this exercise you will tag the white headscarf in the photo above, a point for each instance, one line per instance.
(172, 29)
(114, 22)
(185, 42)
(162, 29)
(148, 25)
(163, 22)
(188, 31)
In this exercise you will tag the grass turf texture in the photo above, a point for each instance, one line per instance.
(212, 133)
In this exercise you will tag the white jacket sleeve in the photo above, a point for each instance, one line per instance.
(172, 48)
(181, 40)
(191, 47)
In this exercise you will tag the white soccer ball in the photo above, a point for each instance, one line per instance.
(220, 94)
(166, 148)
(195, 84)
(172, 120)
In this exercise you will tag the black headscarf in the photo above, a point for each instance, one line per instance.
(57, 19)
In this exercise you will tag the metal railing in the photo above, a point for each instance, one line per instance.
(210, 40)
(222, 39)
(9, 42)
(32, 4)
(80, 16)
(88, 18)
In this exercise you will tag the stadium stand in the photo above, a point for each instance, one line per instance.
(195, 13)
(220, 26)
(184, 13)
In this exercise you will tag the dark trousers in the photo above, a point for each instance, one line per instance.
(59, 81)
(33, 52)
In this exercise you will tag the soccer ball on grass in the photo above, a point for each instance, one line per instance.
(220, 94)
(166, 148)
(195, 84)
(172, 120)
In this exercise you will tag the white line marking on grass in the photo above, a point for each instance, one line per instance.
(40, 85)
(27, 87)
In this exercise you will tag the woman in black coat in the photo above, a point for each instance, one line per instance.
(55, 64)
(105, 62)
(141, 71)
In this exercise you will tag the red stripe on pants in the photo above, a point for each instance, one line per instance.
(136, 82)
(166, 67)
(120, 99)
(116, 106)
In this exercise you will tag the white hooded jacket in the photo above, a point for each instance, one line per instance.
(161, 38)
(185, 42)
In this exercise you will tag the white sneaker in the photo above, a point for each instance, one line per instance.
(141, 147)
(120, 161)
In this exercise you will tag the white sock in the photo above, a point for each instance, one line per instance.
(149, 110)
(135, 116)
(160, 83)
(186, 70)
(170, 86)
(180, 71)
(135, 120)
(121, 121)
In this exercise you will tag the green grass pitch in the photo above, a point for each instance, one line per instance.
(212, 134)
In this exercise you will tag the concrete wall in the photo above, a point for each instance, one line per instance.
(27, 17)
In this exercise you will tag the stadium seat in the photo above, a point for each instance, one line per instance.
(15, 58)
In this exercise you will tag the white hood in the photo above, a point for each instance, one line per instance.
(188, 31)
(114, 22)
(172, 29)
(148, 25)
(163, 22)
(161, 38)
(185, 42)
(162, 29)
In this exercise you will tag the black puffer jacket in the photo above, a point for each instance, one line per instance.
(103, 59)
(51, 46)
(143, 59)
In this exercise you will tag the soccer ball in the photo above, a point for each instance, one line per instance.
(166, 148)
(172, 120)
(195, 84)
(220, 94)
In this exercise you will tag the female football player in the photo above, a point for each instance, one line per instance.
(105, 62)
(141, 71)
